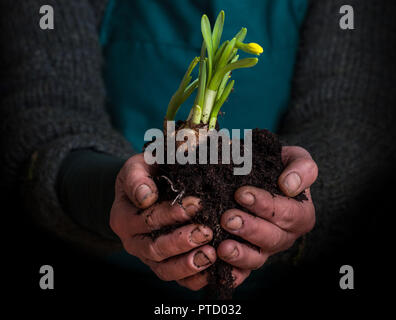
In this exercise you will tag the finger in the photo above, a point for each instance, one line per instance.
(138, 185)
(300, 172)
(262, 233)
(126, 221)
(183, 266)
(241, 255)
(195, 282)
(288, 214)
(164, 214)
(239, 275)
(179, 241)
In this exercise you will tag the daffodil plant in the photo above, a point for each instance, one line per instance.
(213, 84)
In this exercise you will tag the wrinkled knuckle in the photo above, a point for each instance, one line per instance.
(288, 217)
(276, 239)
(307, 222)
(254, 227)
(155, 253)
(162, 274)
(150, 219)
(264, 207)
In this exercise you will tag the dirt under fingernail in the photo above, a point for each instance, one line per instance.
(198, 236)
(201, 259)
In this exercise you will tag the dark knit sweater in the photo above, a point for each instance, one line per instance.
(53, 102)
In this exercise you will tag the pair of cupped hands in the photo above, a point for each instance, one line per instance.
(273, 224)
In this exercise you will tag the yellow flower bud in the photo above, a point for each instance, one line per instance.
(252, 47)
(255, 48)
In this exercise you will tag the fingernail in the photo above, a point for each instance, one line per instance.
(200, 235)
(201, 259)
(142, 192)
(234, 223)
(234, 253)
(191, 209)
(292, 182)
(247, 198)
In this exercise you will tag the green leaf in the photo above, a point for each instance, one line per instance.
(178, 97)
(188, 91)
(218, 30)
(241, 35)
(199, 99)
(219, 103)
(217, 78)
(187, 76)
(202, 82)
(206, 32)
(225, 80)
(207, 35)
(226, 54)
(219, 52)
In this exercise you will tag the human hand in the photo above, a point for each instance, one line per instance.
(181, 255)
(277, 221)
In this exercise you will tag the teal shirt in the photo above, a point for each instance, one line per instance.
(148, 45)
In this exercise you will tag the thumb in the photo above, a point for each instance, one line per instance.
(137, 182)
(300, 171)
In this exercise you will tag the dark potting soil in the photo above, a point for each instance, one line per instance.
(215, 185)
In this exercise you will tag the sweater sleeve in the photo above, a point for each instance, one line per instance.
(52, 102)
(342, 112)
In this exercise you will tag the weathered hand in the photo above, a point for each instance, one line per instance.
(277, 221)
(180, 255)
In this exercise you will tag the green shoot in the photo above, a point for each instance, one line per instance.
(218, 105)
(207, 35)
(182, 93)
(218, 30)
(216, 62)
(218, 76)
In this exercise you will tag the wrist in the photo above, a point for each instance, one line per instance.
(85, 187)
